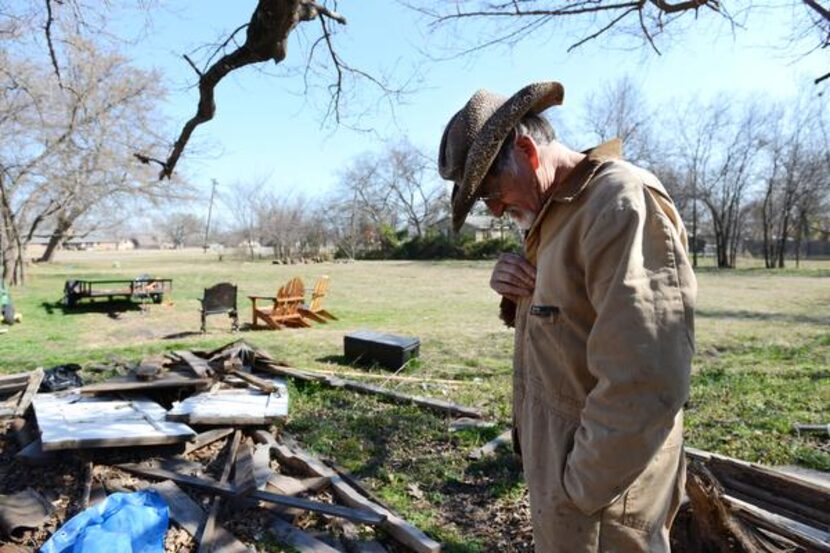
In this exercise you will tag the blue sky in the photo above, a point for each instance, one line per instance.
(265, 126)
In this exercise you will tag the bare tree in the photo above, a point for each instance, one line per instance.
(95, 165)
(284, 224)
(719, 153)
(180, 228)
(410, 174)
(62, 150)
(384, 192)
(796, 178)
(244, 201)
(620, 110)
(366, 201)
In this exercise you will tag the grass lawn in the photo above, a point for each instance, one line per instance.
(763, 364)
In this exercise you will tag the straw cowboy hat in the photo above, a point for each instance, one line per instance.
(475, 134)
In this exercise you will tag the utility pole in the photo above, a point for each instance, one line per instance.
(210, 211)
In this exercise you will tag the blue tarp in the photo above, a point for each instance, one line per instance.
(122, 523)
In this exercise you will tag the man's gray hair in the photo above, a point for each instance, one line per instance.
(533, 125)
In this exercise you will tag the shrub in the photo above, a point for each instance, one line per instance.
(489, 249)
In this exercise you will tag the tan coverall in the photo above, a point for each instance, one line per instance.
(602, 359)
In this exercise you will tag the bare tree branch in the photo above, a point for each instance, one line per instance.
(617, 11)
(604, 29)
(266, 39)
(223, 45)
(193, 65)
(822, 11)
(48, 30)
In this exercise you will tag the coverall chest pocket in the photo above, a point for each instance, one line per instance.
(542, 345)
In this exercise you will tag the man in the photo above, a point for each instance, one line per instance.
(602, 301)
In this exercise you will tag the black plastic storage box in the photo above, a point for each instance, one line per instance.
(390, 351)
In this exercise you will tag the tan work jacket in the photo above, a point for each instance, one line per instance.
(602, 359)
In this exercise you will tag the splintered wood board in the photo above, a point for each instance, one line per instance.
(69, 421)
(118, 384)
(233, 406)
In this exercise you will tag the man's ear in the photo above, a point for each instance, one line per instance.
(528, 149)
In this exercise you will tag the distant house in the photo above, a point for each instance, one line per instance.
(99, 242)
(479, 227)
(91, 241)
(151, 242)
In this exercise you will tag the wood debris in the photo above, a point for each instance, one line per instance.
(71, 421)
(17, 391)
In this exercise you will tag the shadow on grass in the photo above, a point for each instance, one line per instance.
(367, 366)
(503, 470)
(112, 309)
(184, 334)
(762, 271)
(754, 315)
(363, 435)
(335, 360)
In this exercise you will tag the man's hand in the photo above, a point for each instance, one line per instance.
(513, 276)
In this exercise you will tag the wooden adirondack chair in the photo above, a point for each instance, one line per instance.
(314, 310)
(284, 309)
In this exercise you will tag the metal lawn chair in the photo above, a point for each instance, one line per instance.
(218, 300)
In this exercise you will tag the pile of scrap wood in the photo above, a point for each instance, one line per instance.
(735, 506)
(745, 507)
(194, 427)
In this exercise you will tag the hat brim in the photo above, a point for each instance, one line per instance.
(532, 99)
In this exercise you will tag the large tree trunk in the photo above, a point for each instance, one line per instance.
(782, 239)
(803, 230)
(721, 242)
(12, 252)
(56, 240)
(766, 224)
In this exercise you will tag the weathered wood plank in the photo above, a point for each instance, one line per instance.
(257, 382)
(365, 388)
(262, 465)
(188, 515)
(150, 368)
(210, 485)
(786, 494)
(232, 407)
(71, 421)
(288, 485)
(17, 378)
(13, 382)
(198, 365)
(35, 378)
(244, 478)
(465, 423)
(130, 384)
(206, 538)
(813, 539)
(86, 491)
(402, 531)
(287, 534)
(206, 438)
(503, 439)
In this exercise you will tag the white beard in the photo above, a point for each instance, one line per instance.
(522, 217)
